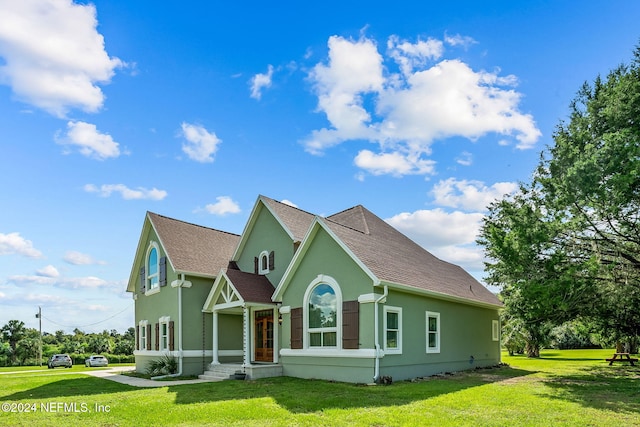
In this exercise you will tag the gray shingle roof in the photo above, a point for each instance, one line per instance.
(252, 287)
(193, 248)
(296, 220)
(395, 258)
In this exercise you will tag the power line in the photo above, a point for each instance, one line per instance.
(90, 324)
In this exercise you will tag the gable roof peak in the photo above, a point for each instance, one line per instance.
(354, 218)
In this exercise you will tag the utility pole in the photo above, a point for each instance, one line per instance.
(39, 316)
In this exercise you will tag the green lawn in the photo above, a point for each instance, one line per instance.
(574, 387)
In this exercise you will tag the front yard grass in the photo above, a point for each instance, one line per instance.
(572, 387)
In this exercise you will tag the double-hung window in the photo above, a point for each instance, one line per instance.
(393, 330)
(433, 332)
(164, 333)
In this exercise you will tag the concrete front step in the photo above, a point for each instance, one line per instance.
(220, 372)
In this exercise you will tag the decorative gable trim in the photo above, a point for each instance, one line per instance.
(222, 295)
(317, 225)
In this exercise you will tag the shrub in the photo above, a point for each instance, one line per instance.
(165, 365)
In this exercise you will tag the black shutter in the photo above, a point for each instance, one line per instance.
(163, 271)
(143, 280)
(171, 335)
(255, 264)
(350, 324)
(148, 337)
(296, 328)
(157, 336)
(272, 260)
(136, 336)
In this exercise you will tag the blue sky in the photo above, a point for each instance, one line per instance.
(423, 112)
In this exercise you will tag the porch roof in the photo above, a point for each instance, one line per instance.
(251, 287)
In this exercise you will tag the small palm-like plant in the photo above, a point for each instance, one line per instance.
(165, 365)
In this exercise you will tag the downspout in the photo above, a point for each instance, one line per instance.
(178, 284)
(376, 374)
(179, 373)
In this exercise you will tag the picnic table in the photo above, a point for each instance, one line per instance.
(622, 357)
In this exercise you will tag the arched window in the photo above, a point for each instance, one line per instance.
(153, 270)
(323, 303)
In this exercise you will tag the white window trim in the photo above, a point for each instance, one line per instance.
(305, 313)
(149, 289)
(435, 349)
(164, 321)
(495, 330)
(391, 309)
(263, 255)
(142, 339)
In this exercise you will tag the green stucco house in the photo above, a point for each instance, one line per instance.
(345, 297)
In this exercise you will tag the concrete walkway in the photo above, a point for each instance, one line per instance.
(113, 374)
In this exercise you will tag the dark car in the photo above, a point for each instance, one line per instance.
(58, 360)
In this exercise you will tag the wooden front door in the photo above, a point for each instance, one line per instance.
(264, 336)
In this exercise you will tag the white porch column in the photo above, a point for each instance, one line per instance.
(276, 333)
(247, 335)
(215, 360)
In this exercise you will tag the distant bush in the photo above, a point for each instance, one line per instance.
(571, 335)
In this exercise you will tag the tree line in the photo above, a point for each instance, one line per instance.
(566, 246)
(20, 345)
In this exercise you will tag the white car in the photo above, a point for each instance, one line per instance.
(96, 361)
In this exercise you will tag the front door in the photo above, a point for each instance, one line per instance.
(264, 336)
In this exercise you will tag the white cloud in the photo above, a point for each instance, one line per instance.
(470, 195)
(406, 112)
(54, 56)
(448, 235)
(288, 202)
(411, 55)
(14, 243)
(395, 163)
(201, 144)
(88, 282)
(78, 258)
(261, 81)
(354, 69)
(139, 193)
(465, 159)
(48, 271)
(89, 141)
(459, 40)
(224, 205)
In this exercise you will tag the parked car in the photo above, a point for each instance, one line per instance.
(97, 360)
(58, 360)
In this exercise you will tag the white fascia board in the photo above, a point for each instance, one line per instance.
(439, 295)
(133, 276)
(317, 224)
(257, 207)
(277, 294)
(214, 288)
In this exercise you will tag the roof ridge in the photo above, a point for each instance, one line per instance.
(288, 205)
(344, 226)
(361, 212)
(193, 224)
